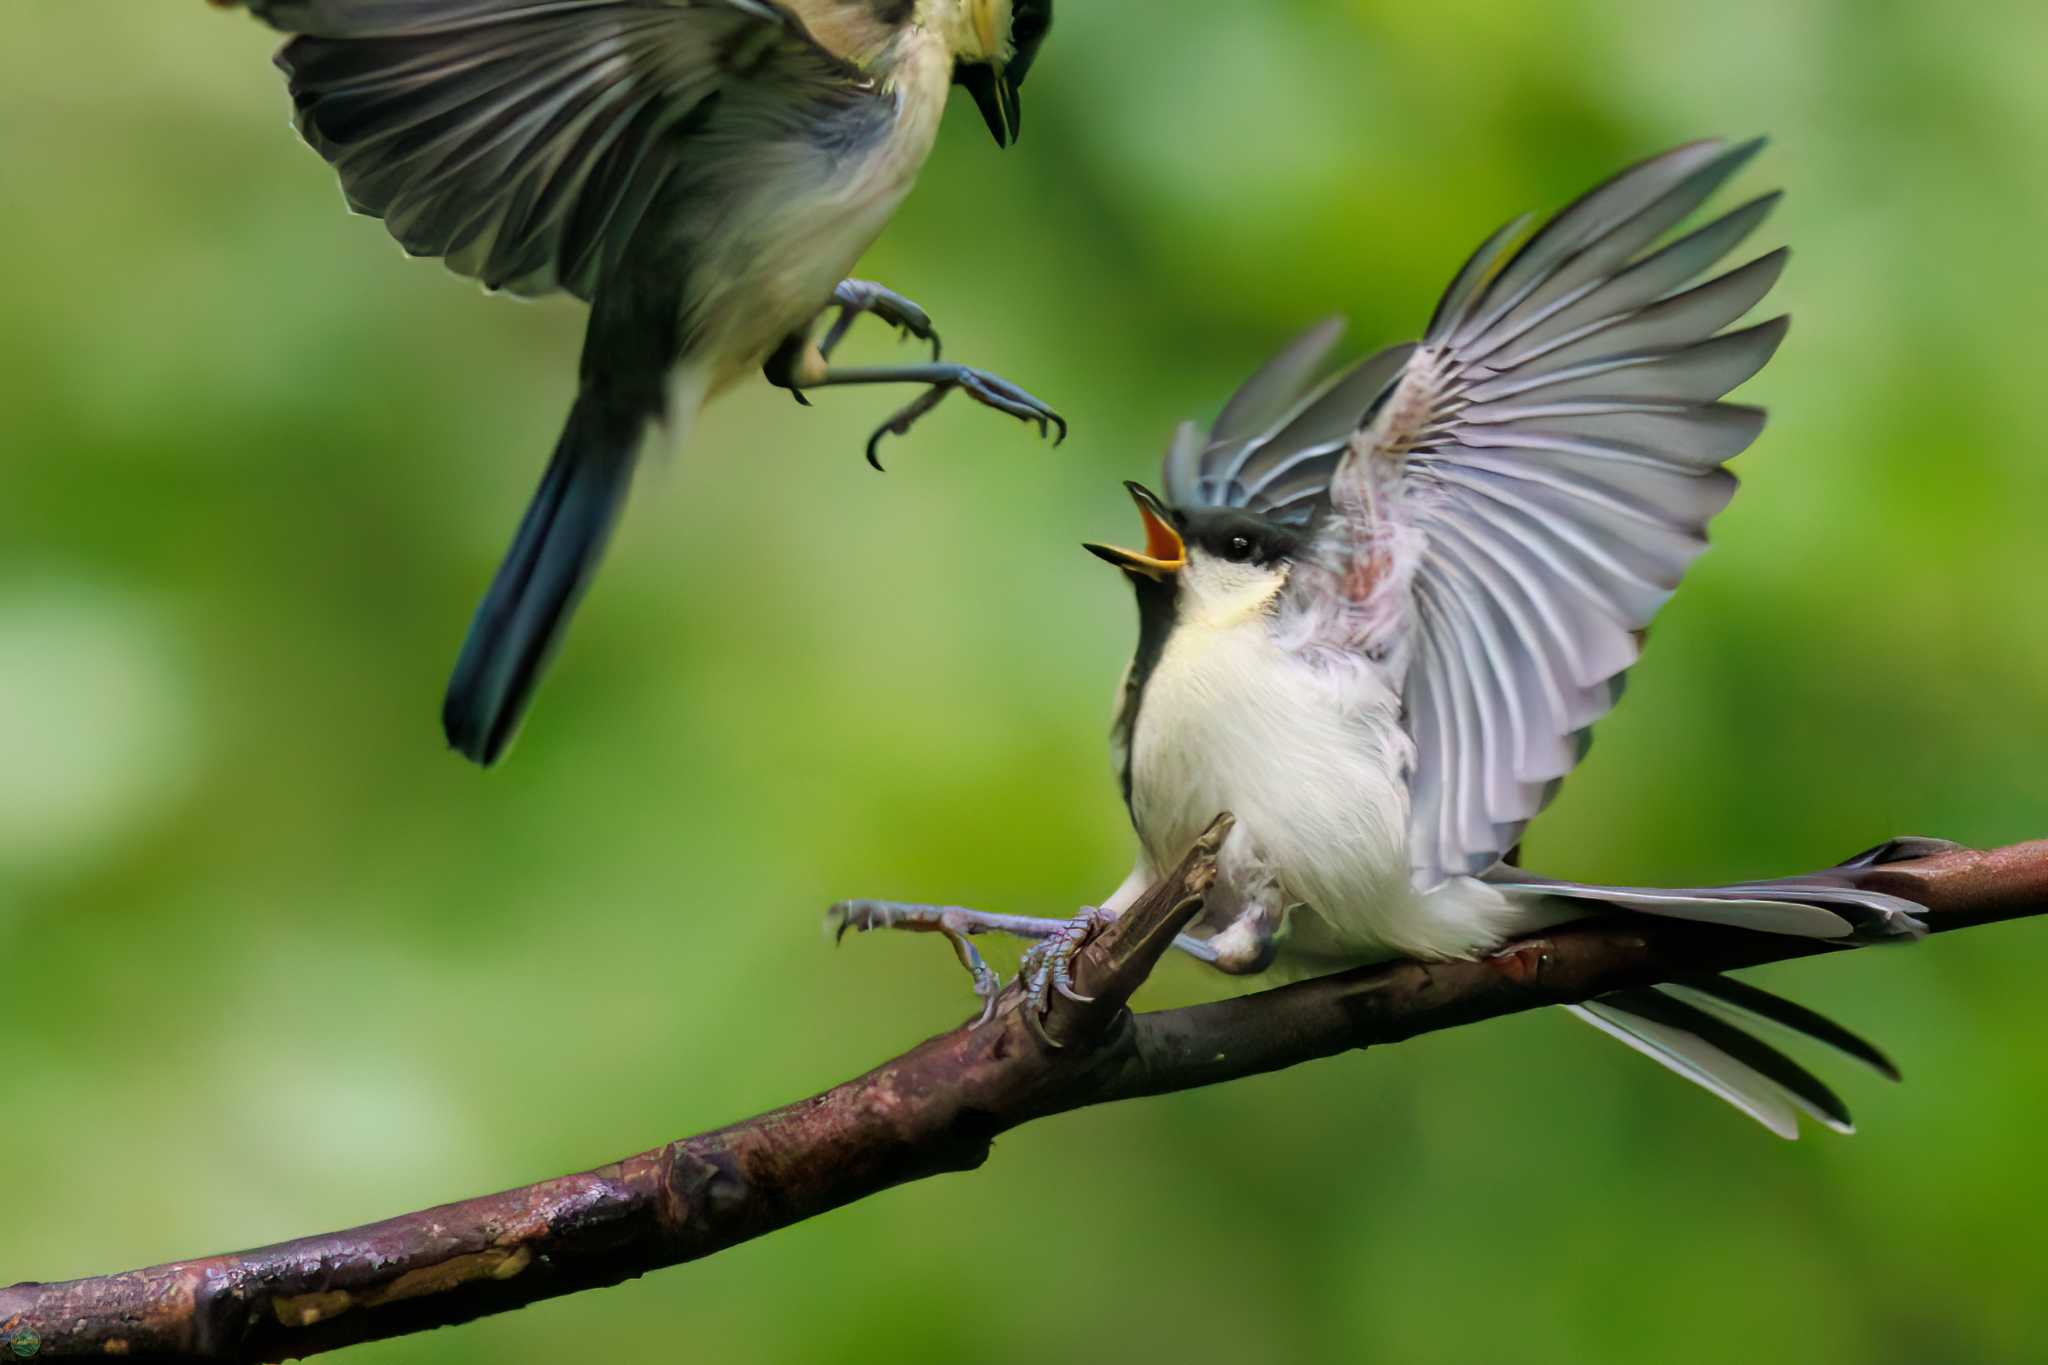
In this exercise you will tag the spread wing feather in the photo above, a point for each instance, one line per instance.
(1280, 438)
(524, 140)
(1529, 486)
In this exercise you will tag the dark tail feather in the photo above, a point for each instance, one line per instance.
(1697, 1027)
(521, 620)
(1720, 1057)
(1742, 999)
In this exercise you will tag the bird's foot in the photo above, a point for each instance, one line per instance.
(953, 922)
(956, 924)
(989, 390)
(857, 297)
(1049, 964)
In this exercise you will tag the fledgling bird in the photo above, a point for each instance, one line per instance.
(704, 173)
(1378, 616)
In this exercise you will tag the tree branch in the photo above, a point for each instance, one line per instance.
(936, 1108)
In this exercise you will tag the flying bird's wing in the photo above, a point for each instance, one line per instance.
(523, 140)
(1530, 486)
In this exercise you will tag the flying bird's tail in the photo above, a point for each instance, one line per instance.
(521, 620)
(1697, 1028)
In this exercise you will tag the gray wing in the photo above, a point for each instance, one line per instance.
(1533, 485)
(523, 140)
(1279, 440)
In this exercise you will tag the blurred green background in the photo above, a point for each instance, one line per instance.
(272, 962)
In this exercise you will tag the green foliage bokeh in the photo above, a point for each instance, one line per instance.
(272, 962)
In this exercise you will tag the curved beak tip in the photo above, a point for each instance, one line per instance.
(995, 94)
(1165, 551)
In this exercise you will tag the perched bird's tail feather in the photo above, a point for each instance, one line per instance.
(522, 618)
(1697, 1030)
(1696, 1027)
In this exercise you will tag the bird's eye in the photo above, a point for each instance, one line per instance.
(1239, 549)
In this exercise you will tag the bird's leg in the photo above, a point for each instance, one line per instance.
(949, 920)
(1244, 947)
(800, 363)
(1246, 943)
(941, 378)
(1047, 966)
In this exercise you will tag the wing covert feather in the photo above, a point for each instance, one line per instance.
(1551, 454)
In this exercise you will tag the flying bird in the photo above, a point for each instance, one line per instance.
(1378, 615)
(703, 173)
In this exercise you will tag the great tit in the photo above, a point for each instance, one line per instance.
(1378, 615)
(703, 173)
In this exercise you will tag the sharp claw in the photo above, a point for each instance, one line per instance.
(845, 918)
(875, 450)
(1036, 1024)
(798, 395)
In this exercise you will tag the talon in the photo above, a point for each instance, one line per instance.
(848, 917)
(1048, 968)
(906, 332)
(1063, 982)
(1033, 1022)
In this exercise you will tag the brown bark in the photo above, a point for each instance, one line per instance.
(934, 1109)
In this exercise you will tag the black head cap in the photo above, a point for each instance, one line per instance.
(1030, 21)
(1241, 536)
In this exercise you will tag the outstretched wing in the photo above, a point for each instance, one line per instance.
(1530, 488)
(1278, 441)
(523, 140)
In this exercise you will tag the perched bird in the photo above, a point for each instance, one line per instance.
(1378, 615)
(703, 173)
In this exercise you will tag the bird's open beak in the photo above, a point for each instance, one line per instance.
(1165, 552)
(996, 96)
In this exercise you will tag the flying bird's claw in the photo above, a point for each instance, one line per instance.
(991, 391)
(905, 418)
(1000, 394)
(856, 297)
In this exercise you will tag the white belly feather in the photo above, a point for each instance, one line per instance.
(1312, 761)
(808, 219)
